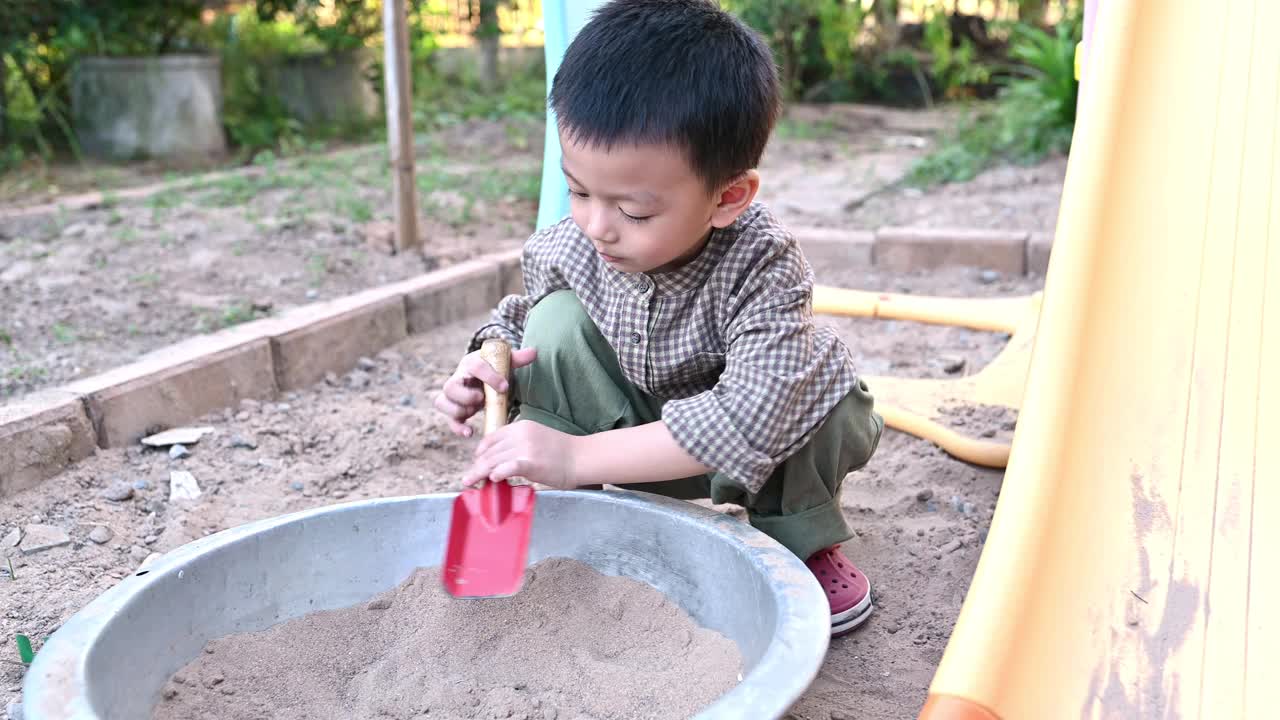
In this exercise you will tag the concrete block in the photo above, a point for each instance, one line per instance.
(510, 270)
(177, 384)
(331, 337)
(455, 293)
(1038, 247)
(835, 247)
(40, 435)
(908, 249)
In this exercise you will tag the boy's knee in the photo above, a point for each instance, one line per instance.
(558, 319)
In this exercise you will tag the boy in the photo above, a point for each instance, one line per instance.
(666, 340)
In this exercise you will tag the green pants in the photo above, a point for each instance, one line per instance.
(577, 386)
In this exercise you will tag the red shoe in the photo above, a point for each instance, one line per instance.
(848, 590)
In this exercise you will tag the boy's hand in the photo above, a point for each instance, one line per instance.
(528, 450)
(463, 393)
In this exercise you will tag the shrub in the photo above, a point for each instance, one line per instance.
(1033, 117)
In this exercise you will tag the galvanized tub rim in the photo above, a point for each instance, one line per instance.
(56, 686)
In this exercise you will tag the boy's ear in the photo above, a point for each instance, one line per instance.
(735, 198)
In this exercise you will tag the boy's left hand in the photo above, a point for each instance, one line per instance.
(528, 450)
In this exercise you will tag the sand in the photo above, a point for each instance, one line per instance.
(574, 644)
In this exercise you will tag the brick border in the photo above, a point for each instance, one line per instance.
(911, 249)
(42, 434)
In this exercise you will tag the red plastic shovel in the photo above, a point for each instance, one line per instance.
(488, 539)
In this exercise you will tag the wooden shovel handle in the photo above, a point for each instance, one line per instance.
(496, 405)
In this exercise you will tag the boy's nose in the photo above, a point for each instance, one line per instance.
(598, 226)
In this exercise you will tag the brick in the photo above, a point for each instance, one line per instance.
(510, 270)
(835, 246)
(40, 435)
(331, 337)
(452, 294)
(177, 384)
(1038, 247)
(907, 249)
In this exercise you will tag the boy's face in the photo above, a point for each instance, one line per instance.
(643, 207)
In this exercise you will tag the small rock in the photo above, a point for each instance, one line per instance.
(38, 538)
(379, 604)
(892, 628)
(987, 277)
(406, 401)
(101, 535)
(331, 378)
(249, 404)
(75, 230)
(141, 485)
(296, 486)
(366, 364)
(952, 364)
(183, 486)
(968, 508)
(283, 407)
(170, 693)
(989, 433)
(149, 560)
(924, 495)
(177, 436)
(14, 711)
(262, 304)
(951, 547)
(312, 294)
(244, 443)
(242, 415)
(358, 379)
(150, 540)
(179, 451)
(214, 680)
(118, 491)
(12, 539)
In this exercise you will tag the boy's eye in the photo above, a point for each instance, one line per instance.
(633, 218)
(577, 194)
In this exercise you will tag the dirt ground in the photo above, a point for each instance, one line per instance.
(920, 516)
(85, 291)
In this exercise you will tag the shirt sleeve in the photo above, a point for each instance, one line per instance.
(782, 376)
(539, 267)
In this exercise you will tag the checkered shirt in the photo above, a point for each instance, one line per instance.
(728, 340)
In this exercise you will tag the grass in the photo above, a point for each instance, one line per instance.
(63, 333)
(5, 338)
(235, 314)
(27, 373)
(793, 129)
(317, 267)
(145, 279)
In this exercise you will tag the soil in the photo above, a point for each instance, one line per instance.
(572, 644)
(920, 516)
(88, 290)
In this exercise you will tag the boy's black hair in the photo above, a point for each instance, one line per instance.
(683, 72)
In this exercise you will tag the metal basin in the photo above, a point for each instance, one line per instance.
(113, 657)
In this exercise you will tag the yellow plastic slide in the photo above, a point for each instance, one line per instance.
(1133, 566)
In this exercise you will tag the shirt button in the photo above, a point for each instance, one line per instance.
(636, 338)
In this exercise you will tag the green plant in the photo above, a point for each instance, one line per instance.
(1034, 115)
(953, 61)
(236, 314)
(6, 338)
(63, 333)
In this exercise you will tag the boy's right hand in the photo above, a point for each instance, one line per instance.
(463, 393)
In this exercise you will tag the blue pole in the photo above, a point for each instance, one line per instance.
(562, 19)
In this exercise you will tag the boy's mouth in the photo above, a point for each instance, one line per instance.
(611, 259)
